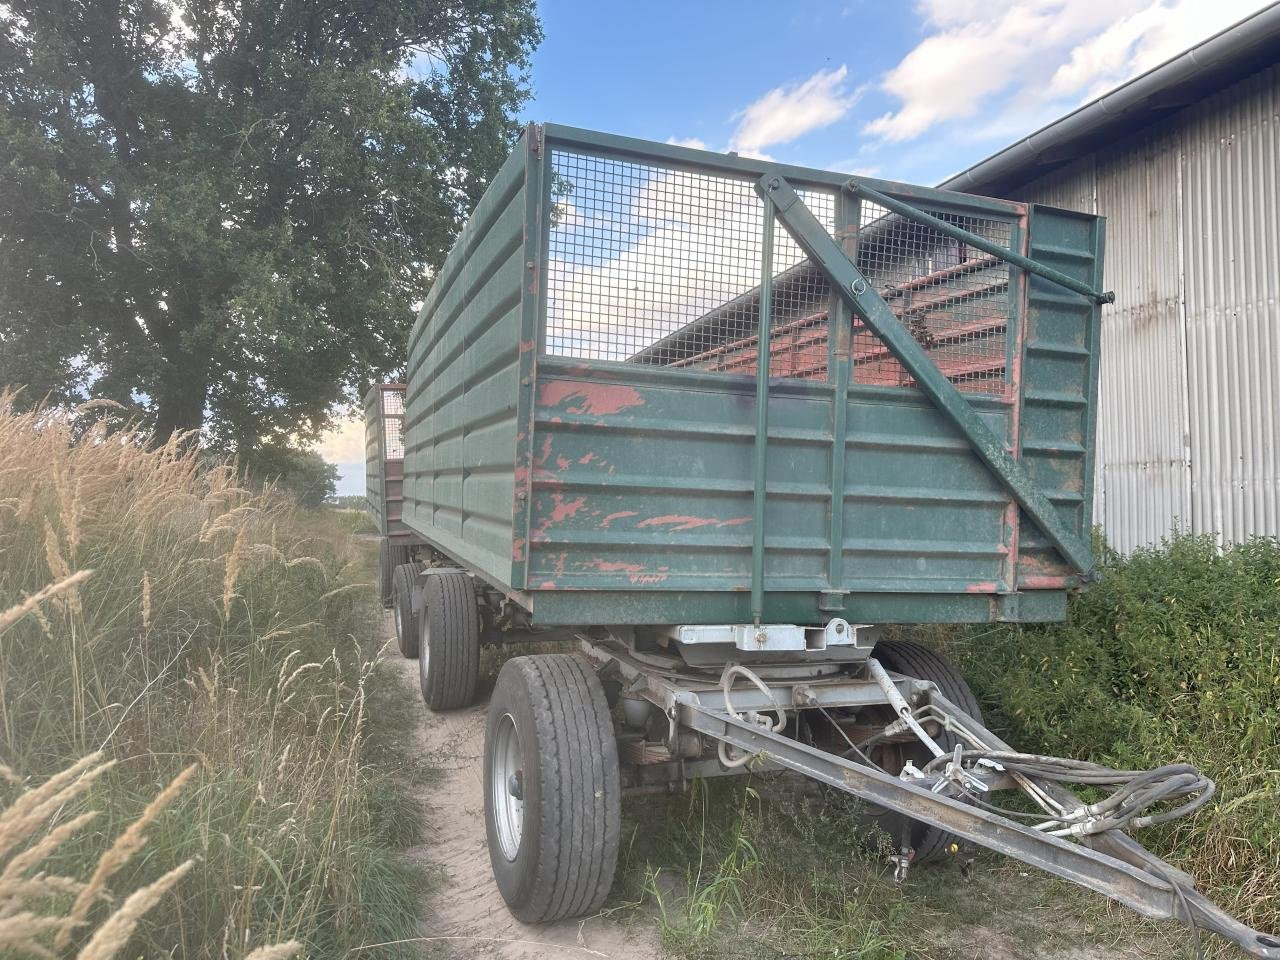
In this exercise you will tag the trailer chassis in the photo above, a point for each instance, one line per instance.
(742, 715)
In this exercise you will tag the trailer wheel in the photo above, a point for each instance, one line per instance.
(449, 642)
(406, 620)
(552, 810)
(913, 660)
(390, 557)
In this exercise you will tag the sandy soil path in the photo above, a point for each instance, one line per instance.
(466, 907)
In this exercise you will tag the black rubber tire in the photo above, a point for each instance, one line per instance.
(572, 818)
(390, 556)
(913, 660)
(449, 642)
(406, 621)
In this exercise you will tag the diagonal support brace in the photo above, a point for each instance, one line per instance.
(846, 279)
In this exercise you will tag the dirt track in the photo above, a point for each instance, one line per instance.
(465, 912)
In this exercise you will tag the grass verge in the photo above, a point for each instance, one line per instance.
(197, 624)
(1171, 657)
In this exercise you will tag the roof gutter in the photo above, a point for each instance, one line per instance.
(1211, 64)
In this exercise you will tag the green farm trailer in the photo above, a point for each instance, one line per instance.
(384, 480)
(718, 421)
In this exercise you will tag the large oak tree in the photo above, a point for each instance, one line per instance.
(219, 212)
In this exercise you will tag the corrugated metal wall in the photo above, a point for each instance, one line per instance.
(1189, 415)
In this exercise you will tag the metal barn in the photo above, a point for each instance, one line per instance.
(1184, 162)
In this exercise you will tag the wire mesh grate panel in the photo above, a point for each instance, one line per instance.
(953, 298)
(393, 401)
(394, 427)
(393, 423)
(661, 266)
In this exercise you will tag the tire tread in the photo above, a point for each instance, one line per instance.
(913, 660)
(454, 636)
(580, 802)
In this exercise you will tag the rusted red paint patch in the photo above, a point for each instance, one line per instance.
(616, 516)
(586, 458)
(1043, 583)
(545, 455)
(517, 549)
(986, 586)
(678, 521)
(562, 509)
(547, 585)
(617, 566)
(562, 463)
(596, 399)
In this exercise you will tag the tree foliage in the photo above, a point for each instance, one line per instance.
(305, 475)
(220, 213)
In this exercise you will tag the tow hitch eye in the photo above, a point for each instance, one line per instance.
(515, 785)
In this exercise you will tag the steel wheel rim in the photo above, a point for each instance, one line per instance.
(506, 779)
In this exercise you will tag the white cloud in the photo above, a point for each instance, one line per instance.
(790, 111)
(982, 59)
(1145, 39)
(343, 442)
(693, 142)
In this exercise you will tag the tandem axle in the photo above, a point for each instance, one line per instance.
(648, 709)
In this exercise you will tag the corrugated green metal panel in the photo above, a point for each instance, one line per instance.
(920, 508)
(460, 420)
(1059, 388)
(642, 481)
(632, 606)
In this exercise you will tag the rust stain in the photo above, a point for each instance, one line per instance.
(986, 586)
(527, 346)
(1043, 583)
(547, 585)
(678, 521)
(562, 462)
(617, 566)
(586, 458)
(562, 510)
(517, 549)
(596, 399)
(616, 516)
(546, 451)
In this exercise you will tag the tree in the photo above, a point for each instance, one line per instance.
(303, 474)
(220, 213)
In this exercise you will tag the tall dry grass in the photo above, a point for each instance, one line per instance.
(155, 611)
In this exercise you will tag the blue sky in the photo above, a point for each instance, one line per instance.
(905, 91)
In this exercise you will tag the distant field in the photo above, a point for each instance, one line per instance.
(206, 655)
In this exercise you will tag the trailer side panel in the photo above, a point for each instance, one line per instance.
(460, 419)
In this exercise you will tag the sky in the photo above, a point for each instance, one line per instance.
(904, 91)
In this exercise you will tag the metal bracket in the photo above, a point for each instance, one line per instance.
(774, 637)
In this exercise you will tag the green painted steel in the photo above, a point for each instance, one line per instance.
(463, 386)
(605, 491)
(759, 472)
(871, 307)
(1030, 264)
